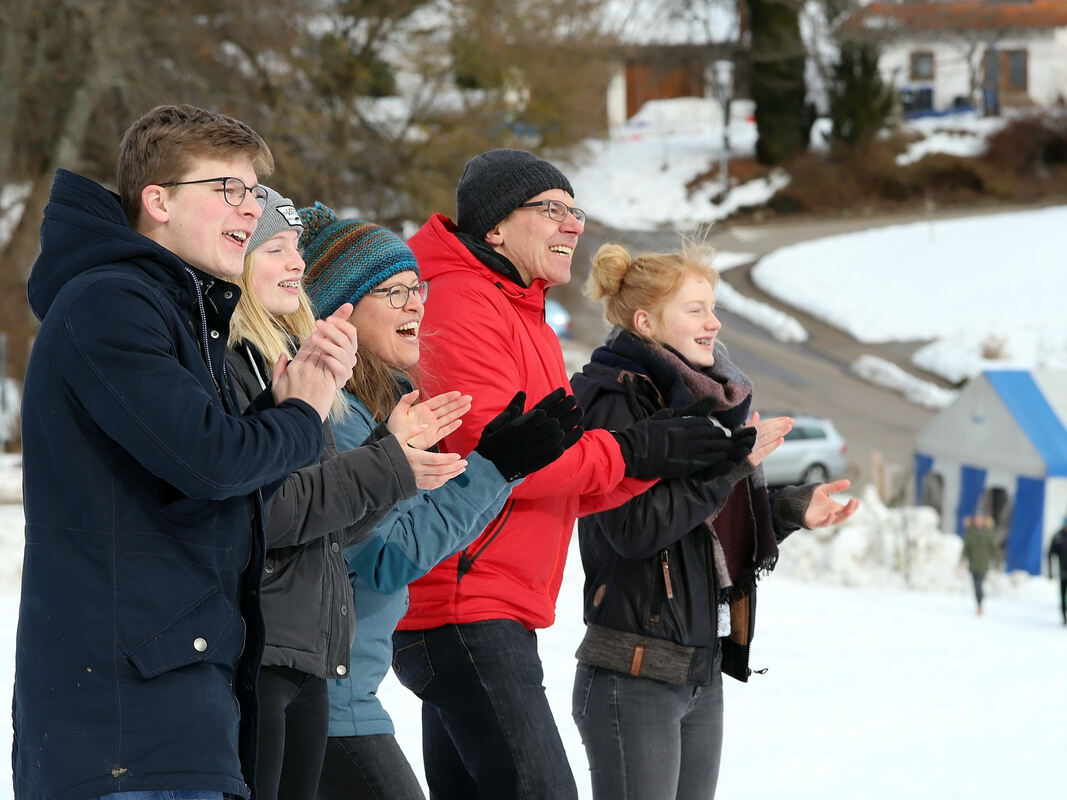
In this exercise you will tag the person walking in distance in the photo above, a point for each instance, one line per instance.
(979, 552)
(1058, 548)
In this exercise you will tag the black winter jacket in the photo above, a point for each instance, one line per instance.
(140, 632)
(315, 514)
(651, 595)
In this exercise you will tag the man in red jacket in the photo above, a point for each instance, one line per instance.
(467, 646)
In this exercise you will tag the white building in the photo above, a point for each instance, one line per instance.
(667, 51)
(989, 54)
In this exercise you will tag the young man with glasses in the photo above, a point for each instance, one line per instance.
(468, 646)
(140, 631)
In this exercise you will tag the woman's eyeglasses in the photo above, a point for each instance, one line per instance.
(399, 295)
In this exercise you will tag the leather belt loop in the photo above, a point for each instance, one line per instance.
(639, 657)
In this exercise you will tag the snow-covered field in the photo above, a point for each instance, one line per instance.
(987, 291)
(872, 691)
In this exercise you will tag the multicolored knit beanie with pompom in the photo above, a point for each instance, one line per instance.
(346, 258)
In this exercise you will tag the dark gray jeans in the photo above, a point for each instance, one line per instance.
(369, 767)
(166, 795)
(647, 739)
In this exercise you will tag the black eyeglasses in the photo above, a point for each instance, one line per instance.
(399, 295)
(233, 190)
(558, 210)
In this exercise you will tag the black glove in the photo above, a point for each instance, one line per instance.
(564, 408)
(518, 443)
(701, 408)
(672, 447)
(741, 442)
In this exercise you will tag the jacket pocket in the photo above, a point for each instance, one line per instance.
(583, 687)
(411, 663)
(210, 630)
(657, 575)
(469, 555)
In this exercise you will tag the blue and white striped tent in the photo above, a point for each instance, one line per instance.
(1006, 433)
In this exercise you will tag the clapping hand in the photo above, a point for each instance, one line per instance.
(770, 433)
(431, 470)
(823, 510)
(321, 366)
(441, 415)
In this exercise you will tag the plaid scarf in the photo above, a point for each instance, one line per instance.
(742, 529)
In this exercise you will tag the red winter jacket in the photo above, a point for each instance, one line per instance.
(486, 336)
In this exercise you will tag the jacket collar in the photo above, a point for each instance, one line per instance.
(440, 251)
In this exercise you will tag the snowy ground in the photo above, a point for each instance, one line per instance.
(871, 691)
(986, 291)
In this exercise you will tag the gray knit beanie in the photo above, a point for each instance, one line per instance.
(497, 182)
(279, 214)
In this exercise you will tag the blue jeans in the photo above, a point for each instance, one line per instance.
(647, 739)
(487, 729)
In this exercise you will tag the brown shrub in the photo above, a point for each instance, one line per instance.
(1033, 142)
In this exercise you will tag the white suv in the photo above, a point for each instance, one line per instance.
(813, 452)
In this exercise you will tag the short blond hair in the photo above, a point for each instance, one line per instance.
(161, 145)
(625, 284)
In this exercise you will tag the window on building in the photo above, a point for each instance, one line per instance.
(1015, 70)
(922, 66)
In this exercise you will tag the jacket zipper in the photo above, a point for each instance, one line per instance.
(203, 334)
(665, 563)
(466, 560)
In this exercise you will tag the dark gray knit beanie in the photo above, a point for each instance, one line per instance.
(497, 182)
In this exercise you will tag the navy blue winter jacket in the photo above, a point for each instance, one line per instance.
(139, 631)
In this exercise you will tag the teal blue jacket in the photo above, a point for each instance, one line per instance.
(406, 544)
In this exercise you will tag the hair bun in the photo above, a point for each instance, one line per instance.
(316, 219)
(609, 268)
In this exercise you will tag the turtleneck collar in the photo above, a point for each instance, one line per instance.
(491, 258)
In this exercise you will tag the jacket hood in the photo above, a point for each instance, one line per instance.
(84, 227)
(440, 252)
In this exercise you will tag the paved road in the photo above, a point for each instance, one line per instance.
(810, 378)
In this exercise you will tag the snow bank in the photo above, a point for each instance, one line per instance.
(885, 373)
(881, 547)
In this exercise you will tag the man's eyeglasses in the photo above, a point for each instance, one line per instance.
(399, 295)
(558, 210)
(233, 190)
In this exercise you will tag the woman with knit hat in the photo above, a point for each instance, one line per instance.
(670, 576)
(374, 270)
(313, 515)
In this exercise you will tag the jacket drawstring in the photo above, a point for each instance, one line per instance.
(255, 368)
